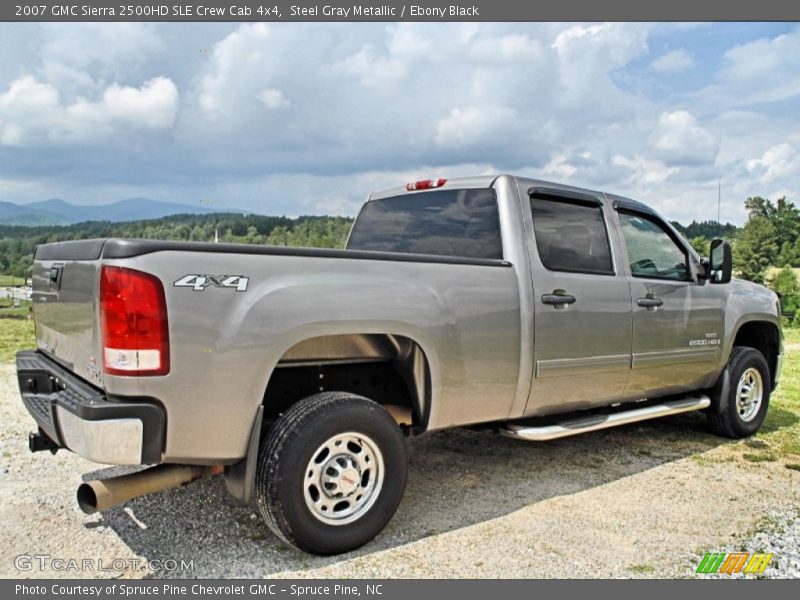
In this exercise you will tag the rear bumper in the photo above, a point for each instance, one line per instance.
(82, 418)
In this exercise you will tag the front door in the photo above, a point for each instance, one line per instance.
(582, 305)
(677, 320)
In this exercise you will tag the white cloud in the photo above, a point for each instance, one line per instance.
(584, 92)
(409, 92)
(77, 57)
(32, 111)
(371, 69)
(152, 105)
(673, 62)
(764, 70)
(775, 163)
(679, 139)
(25, 101)
(326, 112)
(510, 47)
(599, 49)
(238, 65)
(644, 171)
(272, 98)
(559, 167)
(473, 124)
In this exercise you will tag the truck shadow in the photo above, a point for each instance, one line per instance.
(457, 478)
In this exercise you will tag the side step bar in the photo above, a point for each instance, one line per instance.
(595, 422)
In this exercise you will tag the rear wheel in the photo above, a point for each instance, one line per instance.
(331, 473)
(748, 398)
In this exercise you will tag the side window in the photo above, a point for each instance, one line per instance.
(571, 236)
(652, 252)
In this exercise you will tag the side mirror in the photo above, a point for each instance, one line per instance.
(720, 266)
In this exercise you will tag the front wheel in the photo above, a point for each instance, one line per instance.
(331, 473)
(748, 398)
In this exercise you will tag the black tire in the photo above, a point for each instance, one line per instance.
(729, 423)
(281, 487)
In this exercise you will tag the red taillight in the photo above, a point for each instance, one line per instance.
(425, 184)
(133, 323)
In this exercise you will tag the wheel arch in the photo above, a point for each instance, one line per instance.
(302, 353)
(408, 354)
(762, 334)
(765, 336)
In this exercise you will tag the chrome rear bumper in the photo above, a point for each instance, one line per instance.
(80, 417)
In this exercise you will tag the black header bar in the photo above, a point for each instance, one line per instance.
(398, 10)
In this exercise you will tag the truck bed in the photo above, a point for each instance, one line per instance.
(464, 314)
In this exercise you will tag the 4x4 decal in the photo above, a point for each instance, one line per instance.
(199, 283)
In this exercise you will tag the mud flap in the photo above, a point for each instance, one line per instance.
(240, 478)
(719, 393)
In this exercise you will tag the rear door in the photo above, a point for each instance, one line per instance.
(677, 320)
(582, 304)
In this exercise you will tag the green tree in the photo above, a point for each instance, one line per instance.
(701, 244)
(197, 234)
(795, 262)
(783, 214)
(756, 248)
(707, 229)
(788, 254)
(785, 284)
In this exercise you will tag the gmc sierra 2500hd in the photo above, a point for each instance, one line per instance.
(538, 309)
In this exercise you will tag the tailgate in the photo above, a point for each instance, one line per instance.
(65, 289)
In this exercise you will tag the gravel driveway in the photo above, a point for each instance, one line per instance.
(639, 501)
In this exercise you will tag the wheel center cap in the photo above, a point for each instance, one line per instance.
(348, 481)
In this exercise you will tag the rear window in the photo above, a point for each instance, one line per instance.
(461, 223)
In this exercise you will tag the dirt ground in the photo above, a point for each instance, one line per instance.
(638, 501)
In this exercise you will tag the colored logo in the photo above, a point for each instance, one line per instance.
(730, 563)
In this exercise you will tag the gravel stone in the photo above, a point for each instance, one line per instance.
(639, 501)
(780, 537)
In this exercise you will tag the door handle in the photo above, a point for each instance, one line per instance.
(558, 298)
(650, 302)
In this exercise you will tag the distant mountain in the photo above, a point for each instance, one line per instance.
(59, 212)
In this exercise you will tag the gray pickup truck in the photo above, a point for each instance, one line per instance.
(535, 309)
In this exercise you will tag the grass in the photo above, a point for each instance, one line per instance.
(757, 458)
(11, 281)
(15, 313)
(15, 335)
(642, 569)
(779, 436)
(9, 311)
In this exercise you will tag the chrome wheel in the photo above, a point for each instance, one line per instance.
(343, 479)
(749, 394)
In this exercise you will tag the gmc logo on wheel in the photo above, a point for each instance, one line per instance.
(199, 283)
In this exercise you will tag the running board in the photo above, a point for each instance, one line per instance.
(595, 422)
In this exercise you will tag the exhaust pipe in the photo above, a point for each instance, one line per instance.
(100, 494)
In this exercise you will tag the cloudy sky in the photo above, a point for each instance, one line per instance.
(308, 118)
